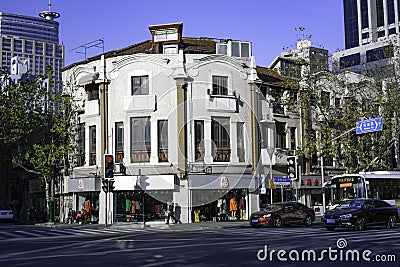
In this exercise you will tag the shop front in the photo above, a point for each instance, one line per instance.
(142, 198)
(220, 197)
(311, 192)
(82, 198)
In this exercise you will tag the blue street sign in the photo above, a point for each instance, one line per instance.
(367, 126)
(282, 180)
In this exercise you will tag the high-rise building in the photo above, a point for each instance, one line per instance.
(33, 41)
(371, 27)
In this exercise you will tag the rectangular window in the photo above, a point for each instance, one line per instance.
(92, 145)
(280, 135)
(293, 138)
(163, 141)
(325, 99)
(119, 142)
(220, 85)
(140, 139)
(92, 91)
(240, 141)
(140, 85)
(199, 140)
(80, 159)
(220, 134)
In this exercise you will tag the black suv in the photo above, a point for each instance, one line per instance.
(358, 213)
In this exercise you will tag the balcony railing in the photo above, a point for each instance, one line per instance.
(119, 156)
(140, 155)
(222, 154)
(163, 154)
(92, 159)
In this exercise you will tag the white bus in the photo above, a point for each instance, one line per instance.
(383, 185)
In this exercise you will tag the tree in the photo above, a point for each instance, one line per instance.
(36, 125)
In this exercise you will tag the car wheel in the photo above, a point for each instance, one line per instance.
(360, 224)
(278, 222)
(308, 220)
(330, 228)
(391, 222)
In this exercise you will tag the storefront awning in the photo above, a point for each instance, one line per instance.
(87, 79)
(143, 182)
(221, 181)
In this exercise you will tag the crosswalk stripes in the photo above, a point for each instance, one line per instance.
(59, 232)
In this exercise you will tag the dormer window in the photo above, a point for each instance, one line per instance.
(234, 48)
(170, 49)
(166, 32)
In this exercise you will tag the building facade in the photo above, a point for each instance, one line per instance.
(177, 115)
(32, 40)
(371, 33)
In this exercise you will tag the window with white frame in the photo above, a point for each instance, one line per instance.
(140, 139)
(220, 134)
(119, 142)
(219, 85)
(140, 85)
(92, 145)
(163, 141)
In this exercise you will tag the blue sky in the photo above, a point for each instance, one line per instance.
(269, 24)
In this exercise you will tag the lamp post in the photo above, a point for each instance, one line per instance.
(270, 151)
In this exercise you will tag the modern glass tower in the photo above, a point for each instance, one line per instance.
(370, 27)
(33, 41)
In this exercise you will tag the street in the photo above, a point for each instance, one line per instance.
(204, 244)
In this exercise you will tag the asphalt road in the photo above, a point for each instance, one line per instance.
(212, 244)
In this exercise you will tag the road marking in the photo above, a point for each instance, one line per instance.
(29, 233)
(47, 232)
(11, 234)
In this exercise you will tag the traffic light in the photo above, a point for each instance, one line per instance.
(111, 185)
(292, 167)
(105, 185)
(108, 166)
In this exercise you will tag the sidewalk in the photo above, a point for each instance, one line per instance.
(158, 225)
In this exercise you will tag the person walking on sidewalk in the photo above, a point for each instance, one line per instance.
(170, 209)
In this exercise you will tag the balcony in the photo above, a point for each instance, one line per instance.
(278, 158)
(222, 103)
(140, 103)
(92, 107)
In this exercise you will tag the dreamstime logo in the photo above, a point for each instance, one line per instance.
(338, 253)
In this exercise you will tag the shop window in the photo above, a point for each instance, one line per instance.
(308, 181)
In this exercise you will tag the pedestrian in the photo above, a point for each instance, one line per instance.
(170, 209)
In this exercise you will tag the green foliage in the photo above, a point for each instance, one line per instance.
(36, 123)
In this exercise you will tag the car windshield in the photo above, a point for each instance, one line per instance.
(355, 204)
(273, 207)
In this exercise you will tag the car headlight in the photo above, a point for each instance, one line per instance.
(266, 215)
(345, 216)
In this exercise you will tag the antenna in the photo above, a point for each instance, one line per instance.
(99, 43)
(49, 15)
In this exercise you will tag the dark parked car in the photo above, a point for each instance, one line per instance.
(358, 213)
(284, 213)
